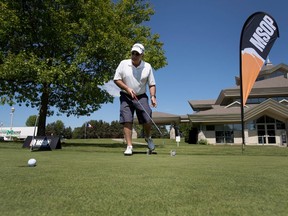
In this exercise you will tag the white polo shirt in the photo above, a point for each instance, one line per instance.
(135, 78)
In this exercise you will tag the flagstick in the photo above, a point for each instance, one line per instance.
(85, 135)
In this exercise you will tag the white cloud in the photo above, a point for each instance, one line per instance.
(112, 88)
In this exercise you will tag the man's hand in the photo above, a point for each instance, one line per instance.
(131, 93)
(123, 86)
(153, 102)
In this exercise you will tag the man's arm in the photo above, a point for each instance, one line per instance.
(152, 90)
(124, 87)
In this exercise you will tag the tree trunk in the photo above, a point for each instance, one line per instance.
(43, 112)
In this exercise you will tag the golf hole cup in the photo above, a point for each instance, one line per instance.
(32, 162)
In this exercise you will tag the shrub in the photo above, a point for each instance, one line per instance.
(202, 142)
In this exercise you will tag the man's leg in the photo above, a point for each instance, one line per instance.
(147, 131)
(128, 137)
(128, 133)
(126, 118)
(144, 114)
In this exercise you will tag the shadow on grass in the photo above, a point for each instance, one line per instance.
(143, 152)
(102, 145)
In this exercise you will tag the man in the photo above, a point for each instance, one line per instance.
(133, 76)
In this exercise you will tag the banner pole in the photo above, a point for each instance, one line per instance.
(242, 105)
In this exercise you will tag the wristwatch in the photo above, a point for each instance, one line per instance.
(153, 96)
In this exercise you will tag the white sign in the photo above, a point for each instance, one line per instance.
(17, 132)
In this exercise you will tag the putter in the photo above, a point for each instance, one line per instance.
(148, 115)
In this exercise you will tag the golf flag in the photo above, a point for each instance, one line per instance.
(89, 125)
(259, 33)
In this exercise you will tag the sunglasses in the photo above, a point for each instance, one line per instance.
(135, 53)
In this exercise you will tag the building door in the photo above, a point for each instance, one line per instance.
(193, 136)
(266, 133)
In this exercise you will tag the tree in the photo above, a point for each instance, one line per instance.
(56, 55)
(31, 121)
(154, 131)
(98, 129)
(116, 130)
(67, 133)
(78, 133)
(56, 128)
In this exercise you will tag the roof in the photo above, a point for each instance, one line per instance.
(227, 109)
(270, 68)
(198, 105)
(267, 70)
(275, 82)
(233, 113)
(166, 118)
(264, 88)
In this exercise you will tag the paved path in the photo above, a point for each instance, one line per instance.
(122, 140)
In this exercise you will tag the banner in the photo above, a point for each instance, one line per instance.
(259, 33)
(42, 142)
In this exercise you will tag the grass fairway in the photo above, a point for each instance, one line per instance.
(94, 178)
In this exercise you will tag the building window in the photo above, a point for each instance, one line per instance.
(255, 100)
(228, 127)
(280, 125)
(270, 120)
(260, 100)
(261, 119)
(210, 127)
(266, 129)
(276, 74)
(251, 125)
(224, 136)
(266, 119)
(224, 133)
(219, 127)
(237, 127)
(220, 137)
(229, 137)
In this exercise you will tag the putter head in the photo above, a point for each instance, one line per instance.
(150, 152)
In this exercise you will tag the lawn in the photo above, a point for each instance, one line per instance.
(92, 177)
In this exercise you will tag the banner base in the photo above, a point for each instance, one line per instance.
(42, 143)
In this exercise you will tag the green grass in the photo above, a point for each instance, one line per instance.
(93, 177)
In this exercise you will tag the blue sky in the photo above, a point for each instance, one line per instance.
(201, 42)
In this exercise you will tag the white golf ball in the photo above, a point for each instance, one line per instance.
(173, 152)
(32, 162)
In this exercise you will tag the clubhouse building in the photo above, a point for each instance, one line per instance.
(265, 113)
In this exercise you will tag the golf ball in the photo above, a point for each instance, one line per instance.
(32, 162)
(173, 152)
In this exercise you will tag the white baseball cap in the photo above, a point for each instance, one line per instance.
(138, 48)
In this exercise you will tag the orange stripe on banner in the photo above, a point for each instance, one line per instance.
(251, 66)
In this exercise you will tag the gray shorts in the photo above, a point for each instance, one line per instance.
(128, 106)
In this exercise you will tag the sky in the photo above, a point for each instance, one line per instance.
(201, 42)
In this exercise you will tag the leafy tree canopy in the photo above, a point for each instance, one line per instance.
(58, 53)
(55, 128)
(31, 121)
